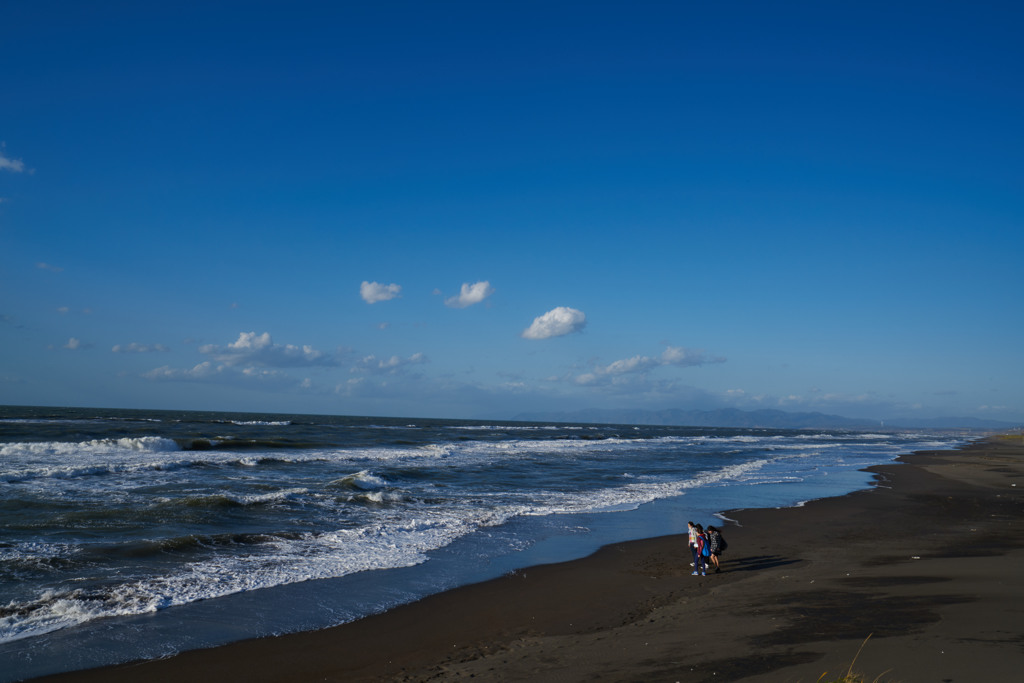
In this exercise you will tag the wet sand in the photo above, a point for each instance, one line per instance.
(929, 563)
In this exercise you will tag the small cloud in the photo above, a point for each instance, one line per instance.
(372, 292)
(672, 355)
(12, 165)
(138, 348)
(63, 310)
(259, 349)
(383, 326)
(76, 344)
(682, 357)
(556, 323)
(204, 370)
(47, 266)
(391, 365)
(470, 294)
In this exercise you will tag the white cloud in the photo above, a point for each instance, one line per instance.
(13, 165)
(391, 365)
(470, 294)
(47, 266)
(138, 348)
(672, 355)
(73, 344)
(260, 350)
(206, 371)
(372, 292)
(555, 323)
(203, 370)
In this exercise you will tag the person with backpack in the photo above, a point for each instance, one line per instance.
(691, 529)
(717, 545)
(703, 550)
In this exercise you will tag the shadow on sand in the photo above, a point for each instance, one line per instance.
(756, 563)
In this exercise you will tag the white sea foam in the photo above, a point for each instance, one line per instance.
(363, 480)
(148, 444)
(273, 497)
(312, 556)
(398, 538)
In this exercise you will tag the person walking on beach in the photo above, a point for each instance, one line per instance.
(700, 558)
(715, 541)
(692, 530)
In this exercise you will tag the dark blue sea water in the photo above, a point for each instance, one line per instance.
(137, 534)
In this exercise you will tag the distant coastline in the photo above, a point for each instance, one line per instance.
(675, 417)
(753, 419)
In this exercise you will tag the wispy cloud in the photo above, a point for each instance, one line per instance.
(373, 364)
(263, 378)
(865, 405)
(138, 348)
(49, 267)
(671, 356)
(470, 294)
(76, 344)
(260, 350)
(204, 370)
(8, 164)
(556, 323)
(372, 292)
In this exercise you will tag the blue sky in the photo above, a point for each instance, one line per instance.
(465, 209)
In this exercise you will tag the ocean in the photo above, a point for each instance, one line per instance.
(131, 534)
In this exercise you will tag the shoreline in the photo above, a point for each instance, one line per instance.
(926, 562)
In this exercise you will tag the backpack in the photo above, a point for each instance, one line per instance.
(722, 545)
(706, 548)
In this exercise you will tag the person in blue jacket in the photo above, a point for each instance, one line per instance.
(702, 551)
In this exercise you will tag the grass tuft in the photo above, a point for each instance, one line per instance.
(850, 676)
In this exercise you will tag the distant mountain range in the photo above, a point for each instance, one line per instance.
(767, 419)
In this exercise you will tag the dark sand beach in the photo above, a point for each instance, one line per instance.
(929, 563)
